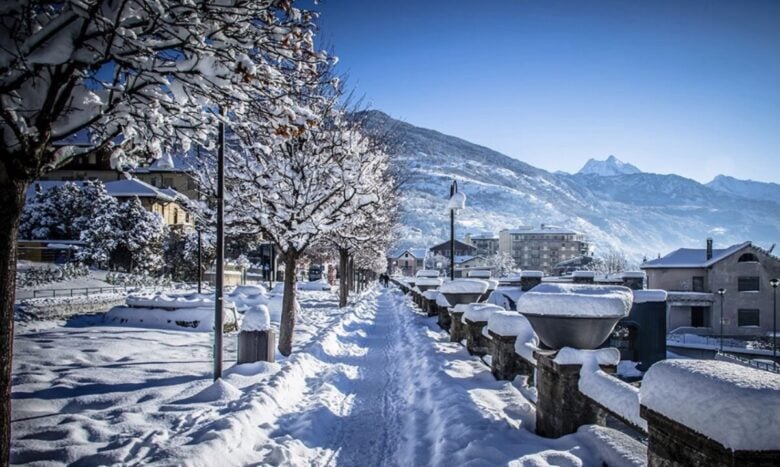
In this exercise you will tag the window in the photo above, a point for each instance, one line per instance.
(748, 284)
(748, 258)
(747, 318)
(698, 283)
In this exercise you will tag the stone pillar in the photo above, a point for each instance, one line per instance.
(669, 444)
(528, 283)
(256, 346)
(583, 277)
(634, 280)
(476, 343)
(561, 408)
(433, 308)
(506, 364)
(457, 328)
(444, 318)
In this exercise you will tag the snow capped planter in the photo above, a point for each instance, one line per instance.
(649, 295)
(256, 341)
(480, 312)
(583, 277)
(463, 290)
(574, 315)
(427, 283)
(736, 406)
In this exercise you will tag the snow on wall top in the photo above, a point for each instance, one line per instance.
(649, 295)
(734, 405)
(509, 323)
(464, 286)
(480, 312)
(422, 280)
(561, 299)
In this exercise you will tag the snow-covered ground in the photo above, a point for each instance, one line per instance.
(372, 384)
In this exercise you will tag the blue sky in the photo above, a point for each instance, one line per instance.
(687, 87)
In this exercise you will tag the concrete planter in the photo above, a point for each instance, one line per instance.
(423, 288)
(461, 298)
(557, 332)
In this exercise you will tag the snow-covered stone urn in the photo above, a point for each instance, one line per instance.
(463, 291)
(574, 315)
(428, 283)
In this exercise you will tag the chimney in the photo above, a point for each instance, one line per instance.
(709, 249)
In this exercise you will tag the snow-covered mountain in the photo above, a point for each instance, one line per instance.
(641, 213)
(607, 168)
(746, 188)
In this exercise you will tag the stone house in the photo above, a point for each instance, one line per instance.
(693, 276)
(461, 249)
(408, 261)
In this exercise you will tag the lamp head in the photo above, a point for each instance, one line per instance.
(774, 282)
(721, 292)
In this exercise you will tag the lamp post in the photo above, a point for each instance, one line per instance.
(774, 283)
(220, 266)
(722, 293)
(457, 201)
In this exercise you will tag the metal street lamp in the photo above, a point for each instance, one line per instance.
(457, 201)
(721, 292)
(774, 283)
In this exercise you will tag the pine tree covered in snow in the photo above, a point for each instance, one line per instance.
(64, 211)
(129, 238)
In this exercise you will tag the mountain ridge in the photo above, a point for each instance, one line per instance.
(630, 212)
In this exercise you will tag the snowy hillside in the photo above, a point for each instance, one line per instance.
(746, 188)
(607, 168)
(641, 213)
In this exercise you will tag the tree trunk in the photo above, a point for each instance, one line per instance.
(343, 283)
(351, 273)
(12, 195)
(287, 325)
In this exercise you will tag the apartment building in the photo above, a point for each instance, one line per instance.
(543, 248)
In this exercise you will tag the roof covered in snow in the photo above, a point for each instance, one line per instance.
(418, 253)
(693, 257)
(166, 163)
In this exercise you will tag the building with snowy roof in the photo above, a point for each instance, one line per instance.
(543, 248)
(169, 171)
(461, 249)
(692, 277)
(166, 202)
(407, 261)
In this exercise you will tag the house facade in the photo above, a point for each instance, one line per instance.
(543, 248)
(692, 278)
(407, 262)
(461, 249)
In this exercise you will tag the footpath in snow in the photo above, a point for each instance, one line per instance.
(372, 384)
